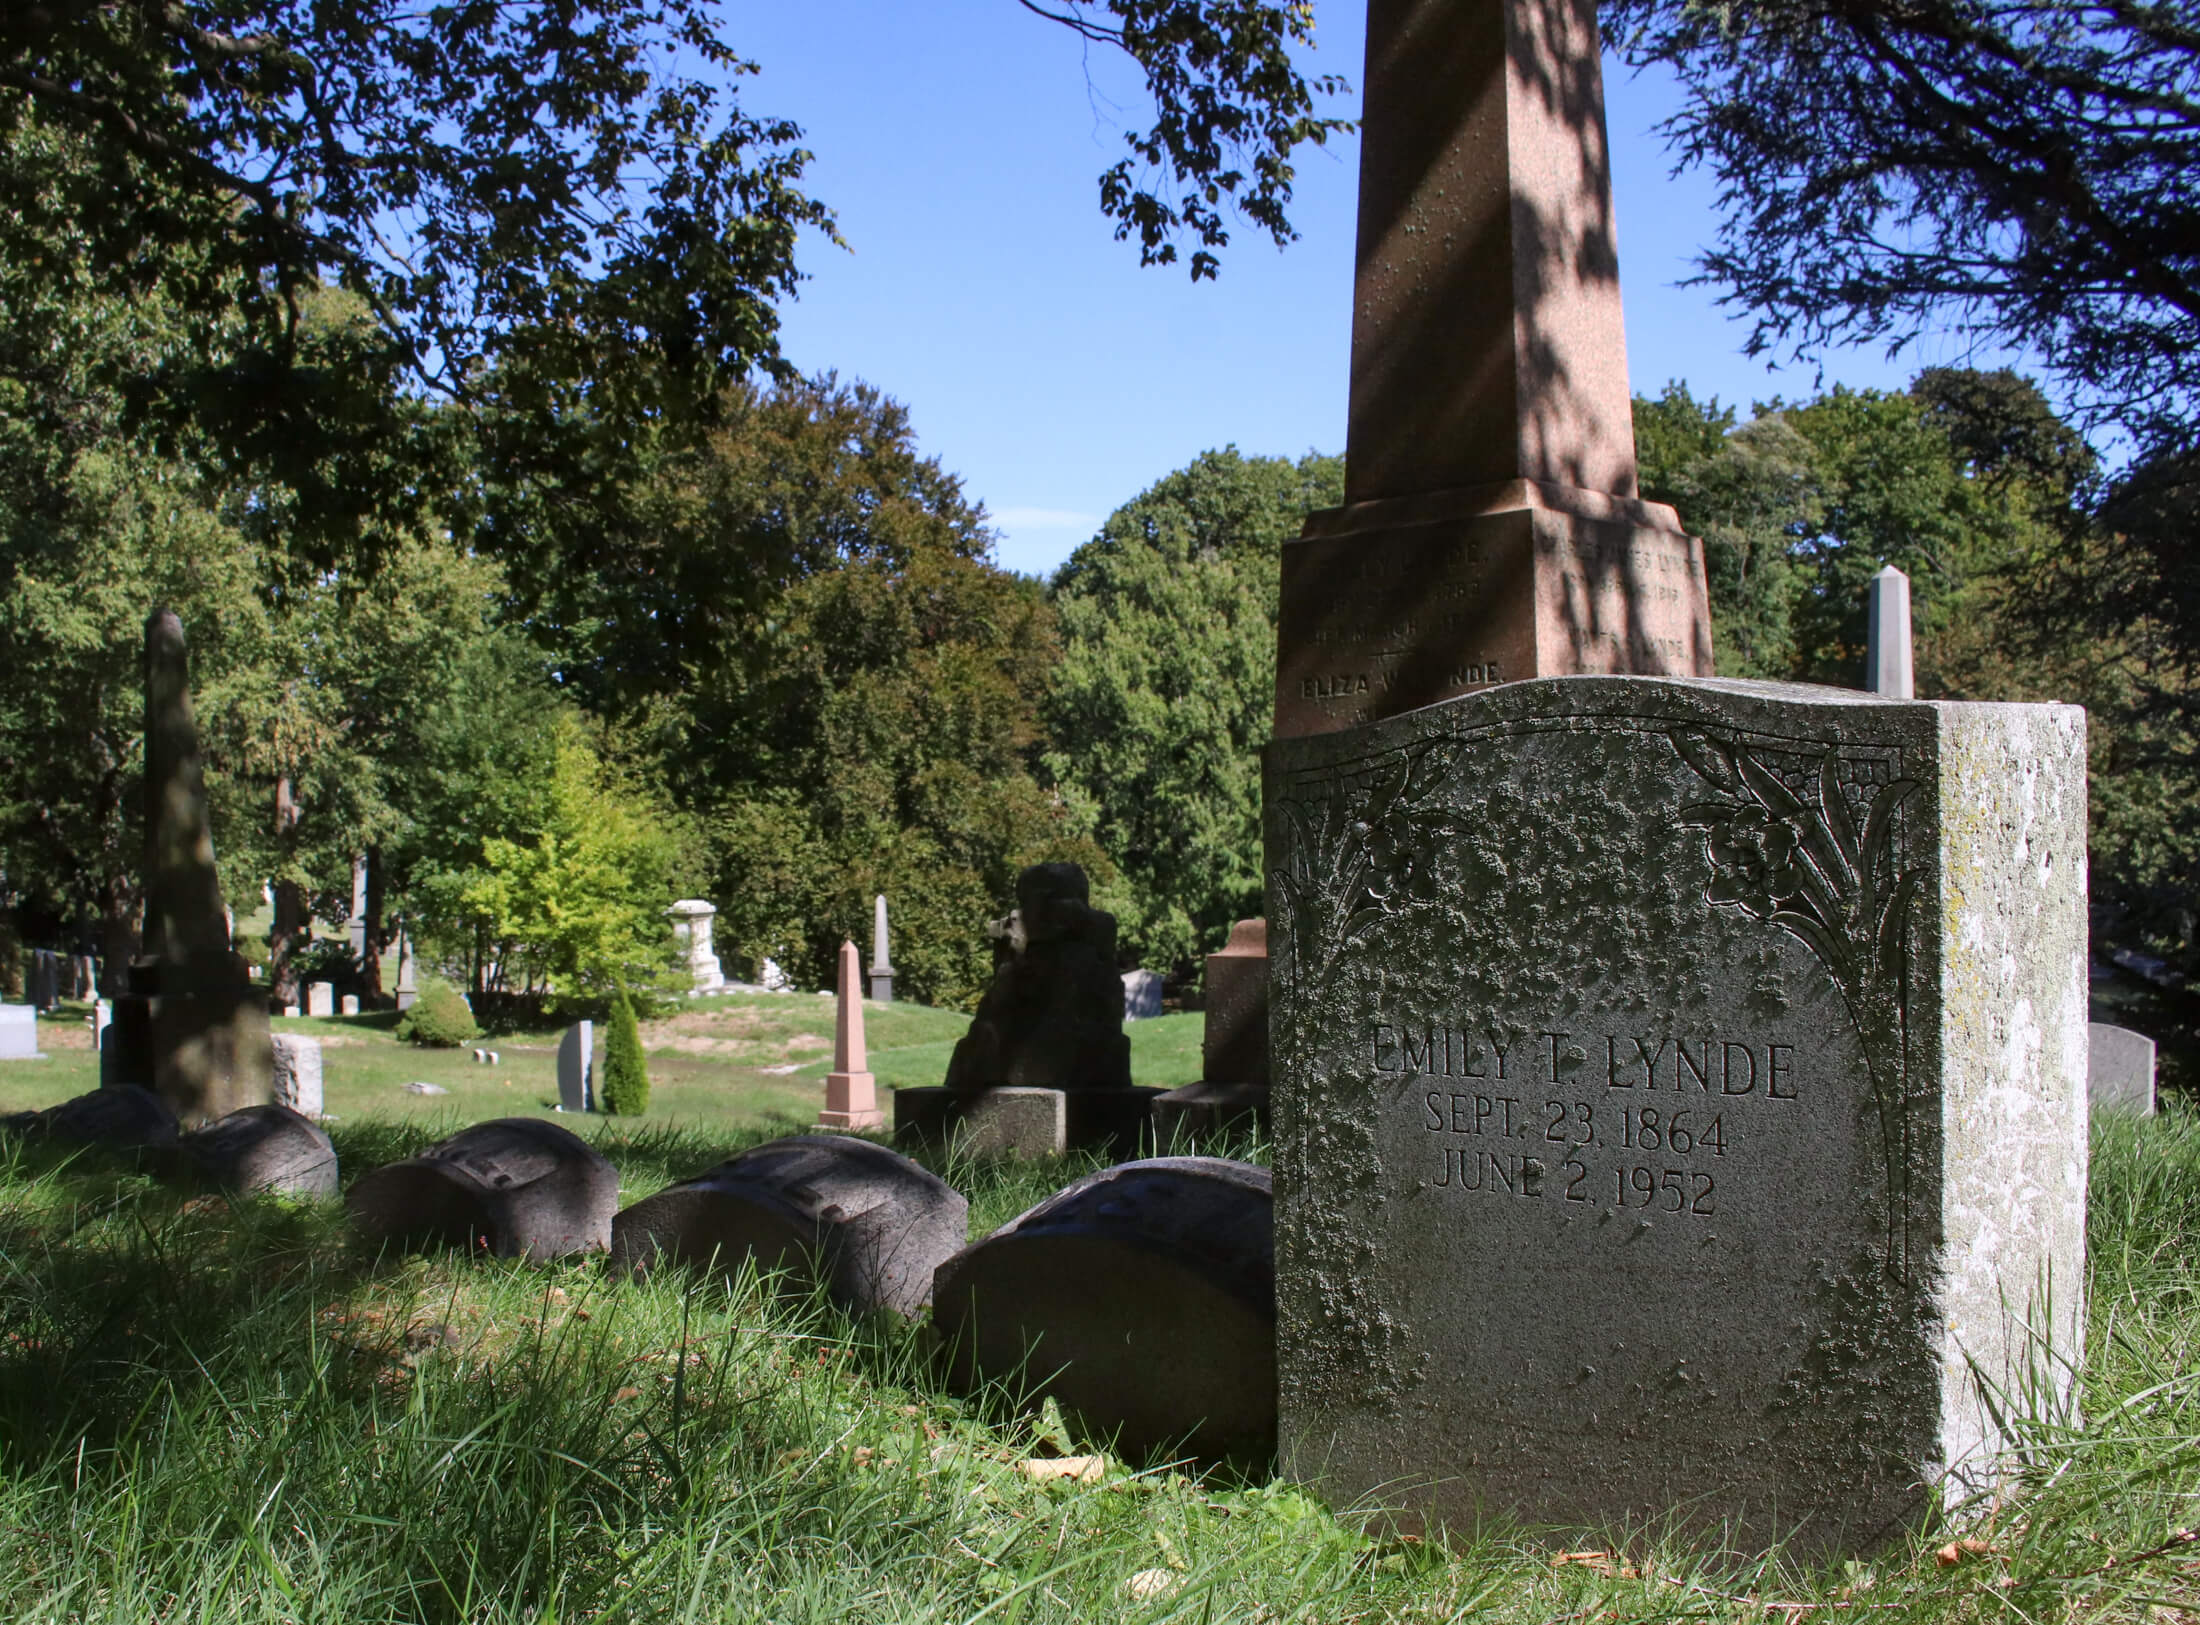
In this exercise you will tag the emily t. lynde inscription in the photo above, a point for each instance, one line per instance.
(1492, 529)
(1679, 1087)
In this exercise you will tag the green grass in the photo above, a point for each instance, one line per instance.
(215, 1411)
(716, 1065)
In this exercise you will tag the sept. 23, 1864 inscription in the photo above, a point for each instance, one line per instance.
(1679, 1100)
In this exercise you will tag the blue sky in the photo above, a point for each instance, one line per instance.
(961, 143)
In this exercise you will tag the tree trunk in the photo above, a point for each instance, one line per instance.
(377, 936)
(293, 919)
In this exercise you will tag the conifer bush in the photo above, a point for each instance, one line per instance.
(440, 1018)
(625, 1091)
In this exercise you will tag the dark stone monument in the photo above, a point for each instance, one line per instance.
(259, 1149)
(867, 1224)
(191, 1026)
(517, 1187)
(1141, 1298)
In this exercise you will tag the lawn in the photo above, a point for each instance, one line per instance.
(735, 1063)
(216, 1411)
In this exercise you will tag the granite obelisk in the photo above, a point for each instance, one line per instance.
(1492, 528)
(192, 1026)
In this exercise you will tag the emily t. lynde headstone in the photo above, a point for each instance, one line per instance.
(1681, 1089)
(191, 1026)
(1492, 527)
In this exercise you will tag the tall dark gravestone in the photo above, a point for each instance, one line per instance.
(1679, 1084)
(192, 1027)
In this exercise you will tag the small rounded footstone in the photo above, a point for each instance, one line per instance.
(864, 1222)
(1141, 1298)
(516, 1187)
(262, 1148)
(122, 1117)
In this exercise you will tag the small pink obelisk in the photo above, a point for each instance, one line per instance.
(851, 1094)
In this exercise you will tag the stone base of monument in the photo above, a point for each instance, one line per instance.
(121, 1117)
(1142, 1299)
(516, 1187)
(261, 1149)
(197, 1034)
(1680, 1103)
(1015, 1122)
(865, 1224)
(1207, 1112)
(298, 1073)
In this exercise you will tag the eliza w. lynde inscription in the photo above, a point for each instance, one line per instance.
(1679, 1099)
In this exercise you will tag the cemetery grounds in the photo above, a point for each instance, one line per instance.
(216, 1410)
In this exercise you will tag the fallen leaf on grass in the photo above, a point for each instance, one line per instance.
(1074, 1469)
(1148, 1584)
(1957, 1550)
(1598, 1562)
(626, 1393)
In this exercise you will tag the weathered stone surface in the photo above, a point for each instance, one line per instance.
(1052, 1017)
(262, 1148)
(2120, 1068)
(1528, 943)
(1234, 1045)
(868, 1225)
(1210, 1111)
(991, 1123)
(122, 1116)
(517, 1187)
(577, 1068)
(1142, 1298)
(298, 1073)
(1141, 995)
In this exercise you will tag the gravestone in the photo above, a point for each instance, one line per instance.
(2119, 1069)
(357, 927)
(320, 998)
(1234, 1044)
(101, 1022)
(19, 1032)
(1492, 527)
(1141, 995)
(1142, 1298)
(262, 1149)
(1679, 1089)
(1004, 1122)
(517, 1187)
(1052, 1017)
(691, 918)
(851, 1093)
(408, 988)
(298, 1073)
(1887, 636)
(577, 1068)
(866, 1224)
(349, 1004)
(119, 1116)
(882, 966)
(293, 1011)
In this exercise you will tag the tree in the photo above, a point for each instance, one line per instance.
(576, 907)
(2025, 170)
(1165, 691)
(625, 1091)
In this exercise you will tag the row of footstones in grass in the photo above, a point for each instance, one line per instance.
(1141, 1298)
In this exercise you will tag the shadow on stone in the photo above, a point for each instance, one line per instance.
(866, 1224)
(1142, 1299)
(516, 1187)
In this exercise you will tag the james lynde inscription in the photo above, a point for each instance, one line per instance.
(1679, 1086)
(1492, 528)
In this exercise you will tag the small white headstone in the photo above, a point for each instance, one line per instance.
(576, 1068)
(298, 1073)
(2120, 1070)
(351, 1004)
(1887, 638)
(774, 980)
(1141, 995)
(19, 1032)
(320, 998)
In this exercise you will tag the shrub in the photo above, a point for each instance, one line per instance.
(439, 1018)
(625, 1091)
